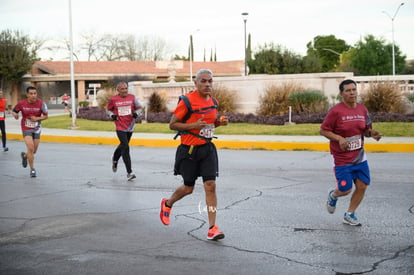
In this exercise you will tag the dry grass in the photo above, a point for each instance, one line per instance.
(275, 100)
(226, 98)
(383, 97)
(103, 97)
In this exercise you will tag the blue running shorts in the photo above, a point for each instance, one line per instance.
(345, 175)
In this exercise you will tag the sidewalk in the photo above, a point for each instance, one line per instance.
(246, 142)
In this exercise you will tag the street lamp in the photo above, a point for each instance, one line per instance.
(191, 54)
(332, 51)
(393, 42)
(72, 69)
(244, 16)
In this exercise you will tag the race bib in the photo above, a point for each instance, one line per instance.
(207, 131)
(354, 143)
(31, 124)
(124, 111)
(1, 114)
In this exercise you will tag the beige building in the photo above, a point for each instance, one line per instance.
(52, 78)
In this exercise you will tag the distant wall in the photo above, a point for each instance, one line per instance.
(248, 88)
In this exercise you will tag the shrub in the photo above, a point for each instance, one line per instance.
(157, 103)
(410, 97)
(383, 97)
(83, 104)
(103, 97)
(226, 98)
(308, 101)
(92, 113)
(95, 113)
(162, 117)
(275, 99)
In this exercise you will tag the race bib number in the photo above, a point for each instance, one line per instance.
(207, 131)
(31, 124)
(124, 111)
(354, 143)
(1, 114)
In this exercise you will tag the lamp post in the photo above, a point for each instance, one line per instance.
(332, 51)
(393, 42)
(72, 69)
(191, 54)
(244, 16)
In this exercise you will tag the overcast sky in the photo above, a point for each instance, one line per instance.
(290, 23)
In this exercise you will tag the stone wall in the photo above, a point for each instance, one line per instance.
(250, 88)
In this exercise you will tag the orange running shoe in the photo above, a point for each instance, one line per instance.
(215, 234)
(165, 212)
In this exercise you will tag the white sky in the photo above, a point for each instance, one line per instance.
(290, 23)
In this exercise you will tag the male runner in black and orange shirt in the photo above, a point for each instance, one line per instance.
(197, 155)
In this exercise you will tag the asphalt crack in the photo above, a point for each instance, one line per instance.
(378, 263)
(262, 252)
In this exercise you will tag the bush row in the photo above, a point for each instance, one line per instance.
(94, 113)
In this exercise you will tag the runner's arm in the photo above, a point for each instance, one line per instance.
(177, 125)
(343, 143)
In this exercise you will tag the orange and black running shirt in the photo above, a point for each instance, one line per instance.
(197, 102)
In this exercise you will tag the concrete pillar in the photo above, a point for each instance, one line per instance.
(81, 90)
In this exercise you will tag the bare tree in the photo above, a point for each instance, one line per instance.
(92, 46)
(151, 48)
(58, 46)
(112, 47)
(130, 48)
(109, 47)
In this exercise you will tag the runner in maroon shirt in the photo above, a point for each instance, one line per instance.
(123, 108)
(346, 125)
(33, 112)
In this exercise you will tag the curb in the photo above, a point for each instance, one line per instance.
(223, 144)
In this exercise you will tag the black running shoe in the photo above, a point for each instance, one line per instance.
(131, 176)
(114, 166)
(33, 173)
(24, 160)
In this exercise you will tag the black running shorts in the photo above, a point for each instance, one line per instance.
(201, 161)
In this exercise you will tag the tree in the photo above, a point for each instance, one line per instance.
(17, 56)
(273, 59)
(152, 48)
(312, 63)
(91, 45)
(191, 49)
(409, 68)
(328, 49)
(182, 57)
(372, 56)
(249, 49)
(215, 54)
(111, 48)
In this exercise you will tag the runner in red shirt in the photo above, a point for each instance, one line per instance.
(346, 125)
(33, 112)
(3, 109)
(123, 108)
(65, 102)
(196, 155)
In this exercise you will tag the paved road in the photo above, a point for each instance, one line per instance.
(77, 217)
